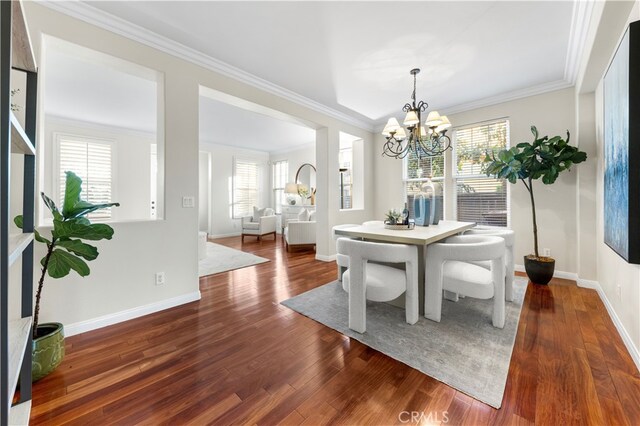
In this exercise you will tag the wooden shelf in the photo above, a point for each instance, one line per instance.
(17, 244)
(19, 414)
(20, 142)
(18, 333)
(22, 52)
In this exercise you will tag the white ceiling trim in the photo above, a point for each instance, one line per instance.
(134, 32)
(580, 20)
(498, 99)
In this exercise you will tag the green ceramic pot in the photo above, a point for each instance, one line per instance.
(48, 349)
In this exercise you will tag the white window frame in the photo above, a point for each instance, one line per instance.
(278, 208)
(454, 172)
(350, 173)
(56, 171)
(233, 186)
(441, 180)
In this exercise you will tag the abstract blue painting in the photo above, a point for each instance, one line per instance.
(622, 148)
(616, 151)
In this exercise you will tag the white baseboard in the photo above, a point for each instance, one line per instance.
(110, 319)
(556, 274)
(633, 351)
(325, 258)
(233, 234)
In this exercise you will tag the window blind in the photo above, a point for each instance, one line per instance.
(480, 198)
(92, 162)
(280, 178)
(245, 188)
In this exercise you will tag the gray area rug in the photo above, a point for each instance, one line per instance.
(221, 259)
(464, 350)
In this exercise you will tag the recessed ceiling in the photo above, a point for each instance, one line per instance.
(224, 124)
(355, 57)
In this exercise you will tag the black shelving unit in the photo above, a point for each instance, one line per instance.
(15, 335)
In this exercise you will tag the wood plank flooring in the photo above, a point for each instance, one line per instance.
(238, 357)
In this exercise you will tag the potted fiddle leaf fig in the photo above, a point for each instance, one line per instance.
(544, 158)
(66, 251)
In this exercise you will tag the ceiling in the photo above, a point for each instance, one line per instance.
(85, 85)
(355, 57)
(225, 124)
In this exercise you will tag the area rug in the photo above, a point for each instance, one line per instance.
(464, 350)
(221, 259)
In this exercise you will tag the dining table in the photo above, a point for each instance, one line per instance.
(420, 236)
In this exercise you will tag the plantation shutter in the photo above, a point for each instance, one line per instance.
(91, 161)
(480, 198)
(245, 188)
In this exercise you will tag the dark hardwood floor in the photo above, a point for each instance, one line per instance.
(238, 357)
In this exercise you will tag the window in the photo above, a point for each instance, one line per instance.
(479, 198)
(90, 159)
(417, 171)
(345, 158)
(245, 188)
(279, 179)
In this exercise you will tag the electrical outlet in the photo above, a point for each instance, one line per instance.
(188, 202)
(546, 252)
(159, 278)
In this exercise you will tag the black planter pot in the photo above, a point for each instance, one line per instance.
(538, 271)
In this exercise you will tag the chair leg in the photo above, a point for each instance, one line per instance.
(412, 295)
(497, 272)
(357, 297)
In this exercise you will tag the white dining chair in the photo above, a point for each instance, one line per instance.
(448, 268)
(509, 238)
(379, 283)
(341, 260)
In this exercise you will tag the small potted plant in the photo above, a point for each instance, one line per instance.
(66, 251)
(393, 217)
(528, 161)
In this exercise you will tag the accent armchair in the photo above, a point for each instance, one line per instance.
(300, 234)
(263, 222)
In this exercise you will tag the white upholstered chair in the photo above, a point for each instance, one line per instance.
(448, 268)
(301, 232)
(509, 240)
(263, 222)
(341, 259)
(379, 283)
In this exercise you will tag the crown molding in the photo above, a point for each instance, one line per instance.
(509, 96)
(580, 20)
(498, 99)
(107, 21)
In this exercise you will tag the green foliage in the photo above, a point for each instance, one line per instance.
(393, 217)
(65, 250)
(543, 158)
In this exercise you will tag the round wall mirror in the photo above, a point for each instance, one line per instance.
(306, 180)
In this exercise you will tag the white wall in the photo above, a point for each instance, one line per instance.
(121, 284)
(222, 222)
(553, 114)
(204, 190)
(131, 156)
(619, 281)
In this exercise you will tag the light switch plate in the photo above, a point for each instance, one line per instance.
(188, 202)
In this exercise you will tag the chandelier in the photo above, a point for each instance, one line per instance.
(420, 141)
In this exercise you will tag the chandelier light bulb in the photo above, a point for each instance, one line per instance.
(391, 126)
(433, 119)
